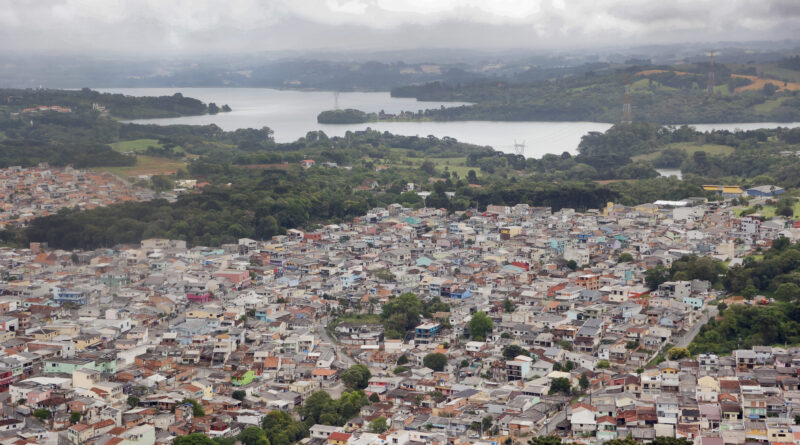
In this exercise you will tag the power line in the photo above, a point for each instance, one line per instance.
(519, 149)
(711, 76)
(626, 103)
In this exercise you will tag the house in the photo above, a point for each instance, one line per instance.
(242, 378)
(338, 438)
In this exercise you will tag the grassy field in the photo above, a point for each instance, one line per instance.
(356, 318)
(643, 85)
(772, 70)
(768, 106)
(399, 158)
(757, 84)
(138, 146)
(689, 148)
(147, 165)
(769, 211)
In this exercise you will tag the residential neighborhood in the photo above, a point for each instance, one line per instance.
(141, 344)
(30, 192)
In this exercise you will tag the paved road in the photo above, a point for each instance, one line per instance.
(551, 425)
(341, 356)
(686, 339)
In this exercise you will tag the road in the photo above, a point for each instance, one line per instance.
(550, 426)
(686, 339)
(326, 337)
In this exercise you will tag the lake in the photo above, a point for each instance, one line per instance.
(291, 114)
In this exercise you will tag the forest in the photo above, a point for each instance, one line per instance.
(776, 274)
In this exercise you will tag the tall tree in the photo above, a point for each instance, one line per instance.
(356, 377)
(479, 325)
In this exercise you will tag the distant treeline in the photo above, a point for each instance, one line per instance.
(667, 97)
(118, 105)
(29, 153)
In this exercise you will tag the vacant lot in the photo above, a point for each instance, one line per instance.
(768, 211)
(147, 166)
(759, 82)
(689, 148)
(767, 106)
(138, 146)
(651, 72)
(399, 158)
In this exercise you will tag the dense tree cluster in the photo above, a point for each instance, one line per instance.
(356, 377)
(777, 274)
(321, 408)
(744, 326)
(780, 265)
(347, 116)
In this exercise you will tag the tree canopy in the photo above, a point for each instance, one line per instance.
(479, 325)
(435, 361)
(356, 377)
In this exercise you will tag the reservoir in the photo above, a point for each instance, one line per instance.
(291, 114)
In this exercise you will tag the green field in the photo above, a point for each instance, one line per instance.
(768, 211)
(356, 318)
(643, 85)
(146, 166)
(772, 70)
(689, 148)
(399, 158)
(138, 146)
(768, 106)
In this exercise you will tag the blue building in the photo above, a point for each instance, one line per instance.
(694, 301)
(426, 333)
(765, 190)
(75, 296)
(460, 293)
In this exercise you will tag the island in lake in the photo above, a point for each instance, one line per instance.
(353, 116)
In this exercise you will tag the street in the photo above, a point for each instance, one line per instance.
(686, 339)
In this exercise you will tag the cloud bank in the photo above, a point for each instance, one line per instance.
(152, 27)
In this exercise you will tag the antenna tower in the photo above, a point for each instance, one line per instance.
(519, 149)
(335, 100)
(626, 104)
(711, 77)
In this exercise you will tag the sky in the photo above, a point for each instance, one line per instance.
(151, 27)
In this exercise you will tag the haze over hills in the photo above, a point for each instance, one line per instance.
(359, 70)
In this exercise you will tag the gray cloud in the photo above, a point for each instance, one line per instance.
(219, 26)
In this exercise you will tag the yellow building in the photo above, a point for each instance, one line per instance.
(647, 209)
(304, 387)
(728, 191)
(86, 341)
(203, 314)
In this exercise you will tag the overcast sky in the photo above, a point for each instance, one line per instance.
(219, 26)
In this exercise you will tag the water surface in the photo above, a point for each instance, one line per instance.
(291, 114)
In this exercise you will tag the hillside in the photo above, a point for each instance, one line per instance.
(664, 95)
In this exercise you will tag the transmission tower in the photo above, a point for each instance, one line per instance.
(711, 76)
(335, 100)
(626, 103)
(519, 149)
